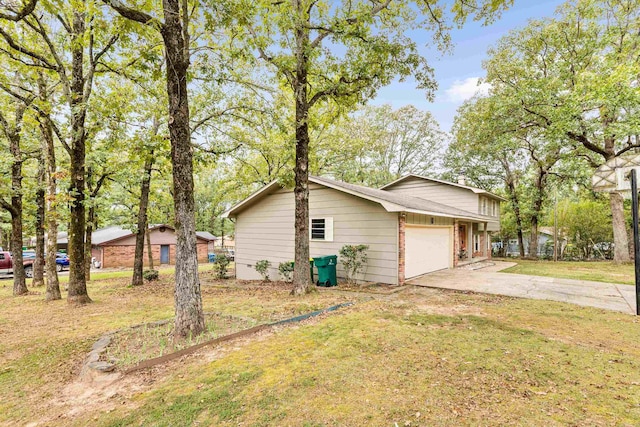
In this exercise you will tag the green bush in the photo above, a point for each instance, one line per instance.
(220, 266)
(150, 275)
(286, 270)
(353, 258)
(262, 267)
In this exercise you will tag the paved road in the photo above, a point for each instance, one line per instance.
(610, 296)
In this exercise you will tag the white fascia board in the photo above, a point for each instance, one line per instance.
(468, 218)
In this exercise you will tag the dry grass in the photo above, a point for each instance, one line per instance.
(416, 358)
(42, 344)
(460, 360)
(598, 271)
(150, 340)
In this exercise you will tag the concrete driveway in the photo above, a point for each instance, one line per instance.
(610, 296)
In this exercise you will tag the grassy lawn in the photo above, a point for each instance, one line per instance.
(416, 358)
(120, 273)
(599, 271)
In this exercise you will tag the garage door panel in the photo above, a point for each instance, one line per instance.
(427, 249)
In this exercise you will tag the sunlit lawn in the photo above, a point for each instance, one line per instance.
(599, 271)
(420, 358)
(99, 274)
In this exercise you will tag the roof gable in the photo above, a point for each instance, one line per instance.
(443, 182)
(253, 198)
(391, 202)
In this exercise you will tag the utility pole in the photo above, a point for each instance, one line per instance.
(636, 235)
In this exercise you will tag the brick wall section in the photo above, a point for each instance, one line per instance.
(456, 241)
(402, 220)
(203, 252)
(123, 256)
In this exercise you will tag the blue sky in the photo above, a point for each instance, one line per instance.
(457, 72)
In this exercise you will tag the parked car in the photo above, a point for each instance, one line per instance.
(6, 264)
(230, 253)
(62, 259)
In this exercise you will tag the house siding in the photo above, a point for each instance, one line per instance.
(266, 231)
(437, 192)
(446, 194)
(419, 219)
(491, 225)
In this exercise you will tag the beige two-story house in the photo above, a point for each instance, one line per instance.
(413, 226)
(471, 235)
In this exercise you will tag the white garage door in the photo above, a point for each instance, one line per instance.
(426, 249)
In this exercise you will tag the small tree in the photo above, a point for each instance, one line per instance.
(220, 266)
(262, 267)
(353, 258)
(286, 270)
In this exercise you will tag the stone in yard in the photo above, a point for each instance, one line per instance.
(102, 366)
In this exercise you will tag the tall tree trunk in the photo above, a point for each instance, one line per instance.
(616, 201)
(38, 263)
(537, 211)
(301, 275)
(77, 279)
(149, 252)
(533, 238)
(94, 189)
(19, 278)
(515, 203)
(19, 282)
(620, 237)
(145, 186)
(53, 285)
(91, 218)
(188, 299)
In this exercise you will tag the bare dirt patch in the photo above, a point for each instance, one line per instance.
(110, 392)
(147, 341)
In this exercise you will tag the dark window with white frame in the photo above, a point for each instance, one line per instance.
(476, 243)
(494, 208)
(321, 229)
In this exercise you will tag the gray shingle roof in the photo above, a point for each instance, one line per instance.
(109, 233)
(408, 202)
(115, 232)
(205, 235)
(99, 236)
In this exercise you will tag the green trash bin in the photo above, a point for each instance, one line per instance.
(326, 266)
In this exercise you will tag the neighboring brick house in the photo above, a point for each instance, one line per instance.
(115, 247)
